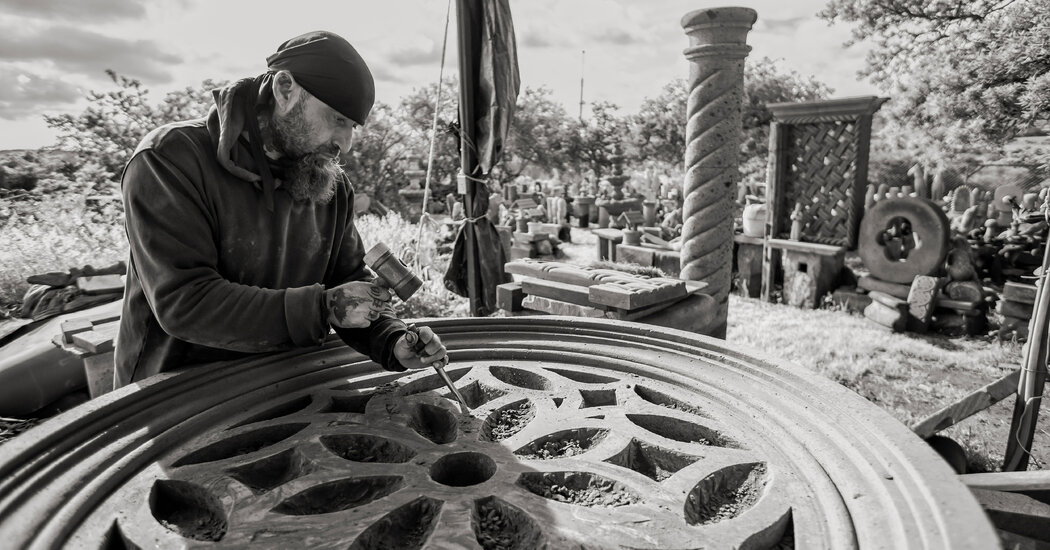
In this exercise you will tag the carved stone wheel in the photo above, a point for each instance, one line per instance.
(903, 238)
(584, 434)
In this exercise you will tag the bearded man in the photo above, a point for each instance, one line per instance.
(241, 225)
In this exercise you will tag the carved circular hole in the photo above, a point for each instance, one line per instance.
(463, 469)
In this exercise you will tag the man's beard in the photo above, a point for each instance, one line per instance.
(310, 175)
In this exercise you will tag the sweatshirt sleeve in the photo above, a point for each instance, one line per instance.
(378, 339)
(170, 228)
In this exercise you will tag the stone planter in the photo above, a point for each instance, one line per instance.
(589, 432)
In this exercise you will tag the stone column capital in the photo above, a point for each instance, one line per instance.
(719, 27)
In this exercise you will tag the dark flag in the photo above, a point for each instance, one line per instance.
(489, 84)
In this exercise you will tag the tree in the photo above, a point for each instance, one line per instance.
(540, 135)
(658, 130)
(108, 130)
(592, 141)
(964, 76)
(375, 164)
(417, 116)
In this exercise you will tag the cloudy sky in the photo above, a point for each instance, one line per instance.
(52, 52)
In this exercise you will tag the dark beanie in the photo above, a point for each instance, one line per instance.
(328, 67)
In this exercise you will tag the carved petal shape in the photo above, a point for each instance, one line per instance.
(499, 525)
(520, 378)
(367, 448)
(579, 488)
(242, 444)
(188, 509)
(508, 420)
(725, 494)
(407, 527)
(651, 461)
(339, 495)
(562, 444)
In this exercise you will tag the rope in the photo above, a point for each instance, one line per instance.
(433, 139)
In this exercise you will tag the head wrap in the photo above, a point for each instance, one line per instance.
(328, 67)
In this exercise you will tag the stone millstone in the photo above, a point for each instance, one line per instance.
(904, 237)
(594, 434)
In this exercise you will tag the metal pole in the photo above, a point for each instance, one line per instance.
(583, 54)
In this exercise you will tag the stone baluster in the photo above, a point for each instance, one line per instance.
(717, 48)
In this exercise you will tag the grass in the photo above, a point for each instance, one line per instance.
(56, 234)
(909, 375)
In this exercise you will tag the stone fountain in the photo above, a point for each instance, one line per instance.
(609, 208)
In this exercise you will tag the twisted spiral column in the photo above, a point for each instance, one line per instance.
(716, 80)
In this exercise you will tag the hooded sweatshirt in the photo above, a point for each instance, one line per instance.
(214, 272)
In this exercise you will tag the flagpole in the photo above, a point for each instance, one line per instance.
(467, 154)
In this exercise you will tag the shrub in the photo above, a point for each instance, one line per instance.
(400, 236)
(56, 234)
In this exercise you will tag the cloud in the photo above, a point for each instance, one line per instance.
(77, 10)
(788, 24)
(76, 50)
(23, 92)
(616, 37)
(383, 74)
(430, 55)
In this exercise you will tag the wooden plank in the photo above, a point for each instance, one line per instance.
(98, 340)
(1016, 513)
(968, 406)
(574, 294)
(806, 248)
(631, 295)
(1019, 292)
(1036, 480)
(74, 326)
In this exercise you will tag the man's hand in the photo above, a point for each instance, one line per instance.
(431, 349)
(355, 304)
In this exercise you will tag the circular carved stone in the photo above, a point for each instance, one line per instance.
(903, 238)
(583, 434)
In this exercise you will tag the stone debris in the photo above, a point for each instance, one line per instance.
(591, 495)
(557, 449)
(494, 531)
(510, 421)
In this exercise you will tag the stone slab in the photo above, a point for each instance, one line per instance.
(1010, 327)
(100, 284)
(922, 301)
(631, 295)
(99, 339)
(509, 296)
(574, 294)
(529, 238)
(807, 248)
(631, 254)
(1015, 309)
(867, 282)
(892, 318)
(888, 301)
(558, 307)
(1016, 513)
(964, 290)
(1019, 292)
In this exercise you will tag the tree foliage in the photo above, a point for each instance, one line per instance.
(111, 126)
(540, 135)
(658, 129)
(593, 141)
(964, 76)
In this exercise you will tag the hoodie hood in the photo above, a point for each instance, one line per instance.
(235, 112)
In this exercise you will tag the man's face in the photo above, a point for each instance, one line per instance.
(312, 135)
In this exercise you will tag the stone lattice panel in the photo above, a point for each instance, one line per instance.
(594, 433)
(820, 177)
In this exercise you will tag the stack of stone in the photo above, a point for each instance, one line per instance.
(1015, 310)
(535, 240)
